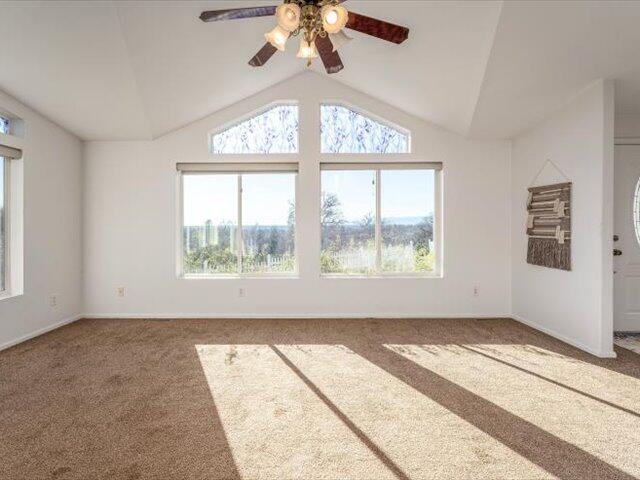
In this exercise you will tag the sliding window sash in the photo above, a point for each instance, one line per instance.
(377, 168)
(238, 169)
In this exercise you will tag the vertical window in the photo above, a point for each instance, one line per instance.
(268, 222)
(238, 219)
(379, 219)
(407, 211)
(210, 218)
(8, 285)
(3, 224)
(636, 211)
(348, 213)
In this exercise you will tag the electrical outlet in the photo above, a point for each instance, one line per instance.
(242, 293)
(120, 292)
(476, 291)
(53, 300)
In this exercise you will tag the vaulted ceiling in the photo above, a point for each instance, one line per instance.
(116, 70)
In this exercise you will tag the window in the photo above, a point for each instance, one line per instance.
(270, 132)
(238, 219)
(4, 257)
(5, 125)
(10, 228)
(379, 219)
(636, 211)
(345, 131)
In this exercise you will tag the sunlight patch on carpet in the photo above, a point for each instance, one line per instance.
(602, 430)
(278, 427)
(600, 382)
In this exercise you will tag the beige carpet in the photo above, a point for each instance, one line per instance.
(315, 399)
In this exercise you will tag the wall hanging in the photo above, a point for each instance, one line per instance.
(549, 226)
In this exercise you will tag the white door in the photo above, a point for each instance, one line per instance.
(626, 264)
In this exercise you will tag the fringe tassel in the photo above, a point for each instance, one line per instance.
(547, 252)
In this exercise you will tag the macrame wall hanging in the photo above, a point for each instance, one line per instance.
(549, 225)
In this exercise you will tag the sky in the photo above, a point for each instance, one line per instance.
(266, 197)
(404, 193)
(214, 197)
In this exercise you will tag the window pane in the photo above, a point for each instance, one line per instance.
(407, 206)
(348, 209)
(268, 223)
(5, 125)
(3, 229)
(210, 223)
(636, 211)
(273, 131)
(345, 131)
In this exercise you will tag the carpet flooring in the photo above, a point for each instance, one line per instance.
(315, 399)
(628, 340)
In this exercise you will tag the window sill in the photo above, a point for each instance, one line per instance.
(8, 295)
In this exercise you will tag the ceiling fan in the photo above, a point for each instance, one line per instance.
(321, 24)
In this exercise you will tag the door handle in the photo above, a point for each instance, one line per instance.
(616, 252)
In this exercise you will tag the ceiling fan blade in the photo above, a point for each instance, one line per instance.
(263, 55)
(377, 28)
(237, 13)
(331, 59)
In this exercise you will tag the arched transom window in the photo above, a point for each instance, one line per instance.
(271, 131)
(344, 130)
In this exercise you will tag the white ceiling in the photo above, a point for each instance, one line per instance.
(138, 69)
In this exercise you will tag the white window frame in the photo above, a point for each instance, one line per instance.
(378, 167)
(636, 211)
(234, 169)
(7, 229)
(13, 260)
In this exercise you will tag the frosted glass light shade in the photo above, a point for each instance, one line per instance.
(288, 16)
(334, 18)
(307, 50)
(277, 37)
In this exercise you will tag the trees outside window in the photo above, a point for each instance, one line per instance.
(377, 221)
(238, 223)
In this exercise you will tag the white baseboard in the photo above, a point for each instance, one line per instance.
(39, 332)
(178, 316)
(598, 353)
(602, 354)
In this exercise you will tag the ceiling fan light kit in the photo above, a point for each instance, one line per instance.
(277, 37)
(288, 15)
(307, 50)
(334, 18)
(320, 24)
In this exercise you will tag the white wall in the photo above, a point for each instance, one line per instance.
(575, 306)
(52, 215)
(627, 127)
(130, 225)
